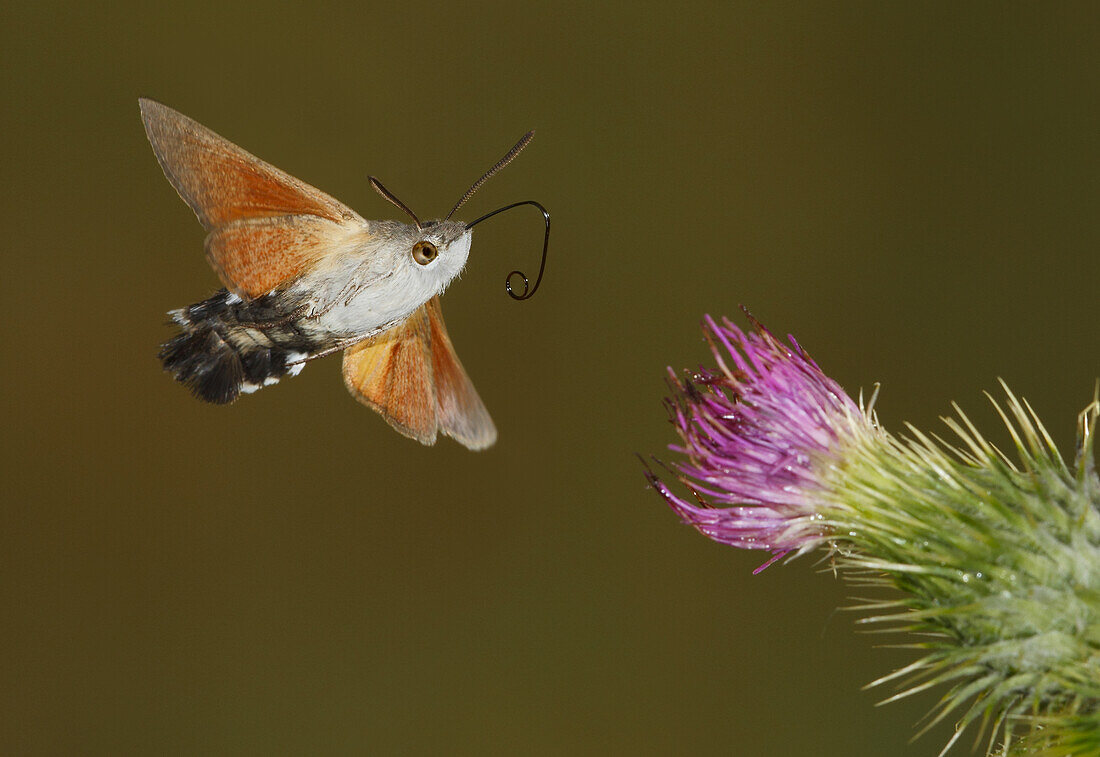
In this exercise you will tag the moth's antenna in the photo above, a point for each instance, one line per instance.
(390, 196)
(527, 293)
(523, 142)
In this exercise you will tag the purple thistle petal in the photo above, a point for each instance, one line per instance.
(759, 434)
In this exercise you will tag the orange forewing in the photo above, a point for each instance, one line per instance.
(392, 373)
(412, 376)
(266, 227)
(462, 414)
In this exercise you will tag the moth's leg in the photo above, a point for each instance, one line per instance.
(294, 315)
(347, 293)
(337, 346)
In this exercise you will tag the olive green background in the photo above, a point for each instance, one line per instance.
(912, 191)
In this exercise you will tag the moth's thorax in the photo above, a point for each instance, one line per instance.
(377, 280)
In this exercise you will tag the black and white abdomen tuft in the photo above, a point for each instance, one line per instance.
(227, 346)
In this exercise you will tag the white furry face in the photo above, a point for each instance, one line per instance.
(451, 242)
(383, 274)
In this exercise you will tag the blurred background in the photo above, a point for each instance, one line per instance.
(911, 191)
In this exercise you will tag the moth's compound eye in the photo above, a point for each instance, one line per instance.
(424, 252)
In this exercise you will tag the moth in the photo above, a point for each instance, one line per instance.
(305, 276)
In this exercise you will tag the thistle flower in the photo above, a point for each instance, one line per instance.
(997, 562)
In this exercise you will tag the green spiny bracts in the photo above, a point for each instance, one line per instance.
(996, 558)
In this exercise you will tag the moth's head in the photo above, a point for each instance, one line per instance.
(437, 250)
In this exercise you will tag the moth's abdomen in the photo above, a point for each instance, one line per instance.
(227, 346)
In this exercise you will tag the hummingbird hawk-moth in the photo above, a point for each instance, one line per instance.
(306, 276)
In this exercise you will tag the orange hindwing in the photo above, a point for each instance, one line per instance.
(411, 375)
